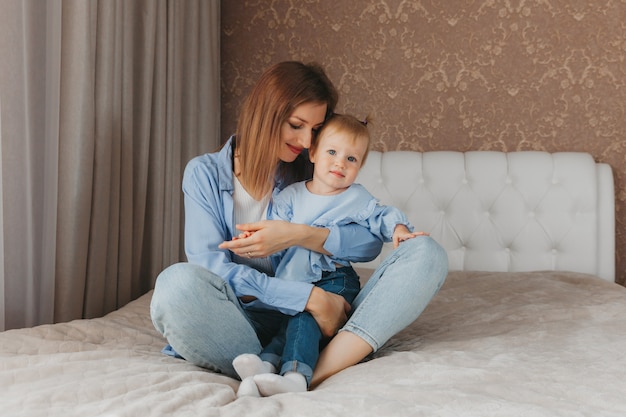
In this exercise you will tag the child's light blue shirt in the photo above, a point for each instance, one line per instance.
(355, 205)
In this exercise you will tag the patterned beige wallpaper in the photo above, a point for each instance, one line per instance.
(456, 75)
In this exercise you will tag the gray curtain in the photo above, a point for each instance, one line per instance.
(102, 103)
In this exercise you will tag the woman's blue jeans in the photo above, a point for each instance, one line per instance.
(201, 318)
(296, 347)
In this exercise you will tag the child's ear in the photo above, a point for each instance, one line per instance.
(312, 155)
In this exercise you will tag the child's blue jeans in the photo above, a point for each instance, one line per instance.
(297, 345)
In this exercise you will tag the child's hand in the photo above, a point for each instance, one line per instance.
(243, 235)
(402, 233)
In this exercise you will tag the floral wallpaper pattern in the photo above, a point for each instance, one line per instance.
(460, 75)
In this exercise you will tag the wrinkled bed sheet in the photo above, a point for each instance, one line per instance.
(490, 344)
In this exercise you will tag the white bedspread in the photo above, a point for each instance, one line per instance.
(490, 344)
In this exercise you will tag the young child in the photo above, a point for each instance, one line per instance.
(329, 199)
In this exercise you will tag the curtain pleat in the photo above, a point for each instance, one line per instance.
(46, 282)
(131, 93)
(2, 275)
(27, 183)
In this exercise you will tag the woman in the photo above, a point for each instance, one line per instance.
(224, 302)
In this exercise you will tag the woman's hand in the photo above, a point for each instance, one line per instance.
(329, 310)
(261, 239)
(266, 237)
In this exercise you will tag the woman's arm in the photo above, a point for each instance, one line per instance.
(206, 227)
(272, 236)
(284, 229)
(351, 242)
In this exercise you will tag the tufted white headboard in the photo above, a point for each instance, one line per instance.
(496, 211)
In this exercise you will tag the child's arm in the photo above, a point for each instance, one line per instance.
(402, 233)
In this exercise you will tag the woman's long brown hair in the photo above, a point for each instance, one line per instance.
(279, 90)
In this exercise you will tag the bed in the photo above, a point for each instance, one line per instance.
(529, 322)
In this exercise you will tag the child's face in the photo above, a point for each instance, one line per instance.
(337, 160)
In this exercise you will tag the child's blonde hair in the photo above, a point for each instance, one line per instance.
(348, 125)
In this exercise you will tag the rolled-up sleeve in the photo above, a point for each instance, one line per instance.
(353, 243)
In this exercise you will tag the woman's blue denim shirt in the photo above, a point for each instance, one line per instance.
(208, 193)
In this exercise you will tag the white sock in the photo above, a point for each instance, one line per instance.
(248, 388)
(272, 384)
(248, 364)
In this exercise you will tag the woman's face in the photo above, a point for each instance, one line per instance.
(298, 130)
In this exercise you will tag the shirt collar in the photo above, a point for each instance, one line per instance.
(225, 163)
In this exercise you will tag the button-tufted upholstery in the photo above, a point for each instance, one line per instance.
(495, 211)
